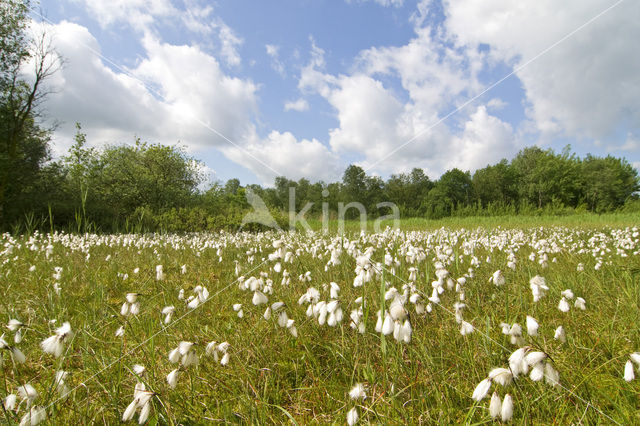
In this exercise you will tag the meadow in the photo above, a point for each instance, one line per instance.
(533, 322)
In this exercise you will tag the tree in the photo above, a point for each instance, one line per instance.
(495, 184)
(20, 97)
(608, 182)
(544, 176)
(152, 176)
(454, 189)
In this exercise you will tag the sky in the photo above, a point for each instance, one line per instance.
(303, 88)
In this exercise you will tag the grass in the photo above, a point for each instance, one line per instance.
(273, 377)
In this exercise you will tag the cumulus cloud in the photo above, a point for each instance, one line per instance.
(286, 156)
(584, 86)
(148, 16)
(299, 104)
(276, 64)
(389, 134)
(185, 96)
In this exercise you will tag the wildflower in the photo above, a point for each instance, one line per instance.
(10, 402)
(120, 331)
(466, 328)
(225, 359)
(238, 308)
(167, 311)
(352, 416)
(532, 326)
(501, 376)
(159, 273)
(628, 371)
(580, 303)
(142, 401)
(16, 354)
(635, 357)
(563, 306)
(34, 416)
(516, 334)
(28, 393)
(495, 407)
(358, 392)
(497, 278)
(259, 298)
(507, 408)
(55, 344)
(538, 287)
(172, 378)
(560, 334)
(517, 362)
(567, 293)
(61, 386)
(481, 390)
(551, 375)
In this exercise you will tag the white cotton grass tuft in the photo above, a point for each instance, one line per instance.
(16, 354)
(560, 334)
(507, 408)
(172, 378)
(495, 406)
(352, 416)
(34, 416)
(358, 391)
(629, 374)
(563, 305)
(55, 344)
(141, 401)
(532, 326)
(580, 303)
(538, 287)
(10, 402)
(28, 393)
(501, 376)
(481, 390)
(168, 311)
(497, 278)
(466, 328)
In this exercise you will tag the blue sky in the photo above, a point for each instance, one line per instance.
(303, 88)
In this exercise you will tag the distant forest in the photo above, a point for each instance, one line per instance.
(151, 187)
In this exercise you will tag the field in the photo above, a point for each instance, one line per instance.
(325, 355)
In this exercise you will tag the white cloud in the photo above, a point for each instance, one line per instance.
(230, 43)
(298, 105)
(631, 144)
(276, 64)
(484, 140)
(496, 104)
(191, 94)
(288, 157)
(150, 16)
(584, 87)
(374, 121)
(139, 14)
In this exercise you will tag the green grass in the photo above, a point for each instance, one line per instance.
(273, 377)
(578, 220)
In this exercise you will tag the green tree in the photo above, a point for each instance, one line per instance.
(496, 184)
(454, 189)
(152, 176)
(544, 176)
(608, 182)
(22, 142)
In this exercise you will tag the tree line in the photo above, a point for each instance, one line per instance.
(147, 187)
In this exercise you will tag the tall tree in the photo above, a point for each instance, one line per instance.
(20, 96)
